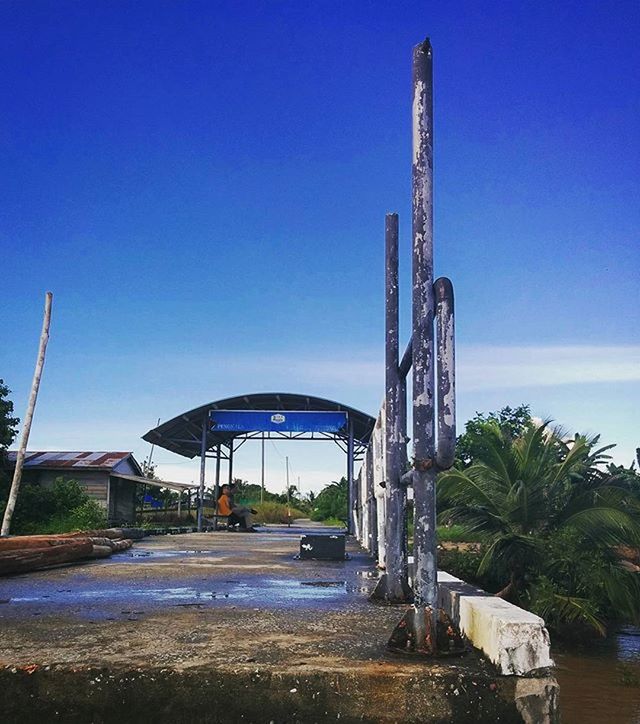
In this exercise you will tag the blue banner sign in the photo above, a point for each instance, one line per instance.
(276, 421)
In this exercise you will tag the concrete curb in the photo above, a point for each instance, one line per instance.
(513, 639)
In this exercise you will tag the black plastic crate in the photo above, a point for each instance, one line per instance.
(325, 547)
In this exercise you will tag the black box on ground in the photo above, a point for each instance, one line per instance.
(327, 547)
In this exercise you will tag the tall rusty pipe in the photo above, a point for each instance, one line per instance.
(394, 587)
(425, 578)
(417, 630)
(446, 373)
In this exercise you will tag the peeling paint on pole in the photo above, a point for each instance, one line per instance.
(393, 587)
(425, 584)
(446, 373)
(372, 506)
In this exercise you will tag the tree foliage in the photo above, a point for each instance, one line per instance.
(8, 430)
(62, 507)
(553, 512)
(331, 501)
(512, 422)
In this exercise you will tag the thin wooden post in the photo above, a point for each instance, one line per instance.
(26, 430)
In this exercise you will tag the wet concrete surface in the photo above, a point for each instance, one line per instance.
(224, 612)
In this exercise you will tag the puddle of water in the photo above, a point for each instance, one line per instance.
(264, 592)
(133, 555)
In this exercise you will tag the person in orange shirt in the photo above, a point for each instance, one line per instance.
(235, 514)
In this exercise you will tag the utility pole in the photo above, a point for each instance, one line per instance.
(288, 494)
(262, 473)
(28, 419)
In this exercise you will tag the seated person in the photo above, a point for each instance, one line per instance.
(235, 514)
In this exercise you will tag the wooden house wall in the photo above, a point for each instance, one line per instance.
(94, 482)
(122, 501)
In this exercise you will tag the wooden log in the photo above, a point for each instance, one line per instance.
(25, 542)
(125, 533)
(101, 552)
(22, 561)
(99, 541)
(121, 545)
(113, 533)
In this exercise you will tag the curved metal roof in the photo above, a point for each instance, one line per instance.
(183, 433)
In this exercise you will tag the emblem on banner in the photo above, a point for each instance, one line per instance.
(278, 419)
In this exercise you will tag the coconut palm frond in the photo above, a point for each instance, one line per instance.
(608, 525)
(508, 549)
(623, 591)
(562, 610)
(462, 485)
(527, 449)
(574, 458)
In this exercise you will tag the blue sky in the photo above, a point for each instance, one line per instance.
(203, 187)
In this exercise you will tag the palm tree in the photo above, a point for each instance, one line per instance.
(536, 498)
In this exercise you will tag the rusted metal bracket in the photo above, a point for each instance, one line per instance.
(391, 594)
(422, 632)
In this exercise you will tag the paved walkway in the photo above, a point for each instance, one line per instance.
(223, 627)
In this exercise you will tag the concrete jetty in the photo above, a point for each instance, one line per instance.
(229, 627)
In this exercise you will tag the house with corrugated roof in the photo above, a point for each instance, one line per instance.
(109, 478)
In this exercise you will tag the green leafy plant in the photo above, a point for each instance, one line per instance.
(331, 502)
(552, 514)
(62, 507)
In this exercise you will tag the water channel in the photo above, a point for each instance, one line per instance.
(600, 682)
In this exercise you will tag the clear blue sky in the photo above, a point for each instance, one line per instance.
(203, 187)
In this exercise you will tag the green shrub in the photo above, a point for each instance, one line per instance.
(336, 522)
(331, 502)
(89, 515)
(461, 563)
(63, 507)
(458, 534)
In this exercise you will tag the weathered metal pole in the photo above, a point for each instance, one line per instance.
(262, 472)
(31, 406)
(350, 491)
(424, 536)
(372, 503)
(446, 373)
(203, 465)
(216, 490)
(230, 478)
(393, 587)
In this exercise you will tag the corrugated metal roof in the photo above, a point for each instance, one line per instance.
(60, 460)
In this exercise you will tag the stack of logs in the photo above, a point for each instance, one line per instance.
(20, 554)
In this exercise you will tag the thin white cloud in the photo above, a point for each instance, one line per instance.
(483, 368)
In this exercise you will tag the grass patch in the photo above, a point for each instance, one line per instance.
(336, 522)
(271, 512)
(458, 534)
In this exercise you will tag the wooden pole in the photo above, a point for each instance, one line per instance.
(35, 385)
